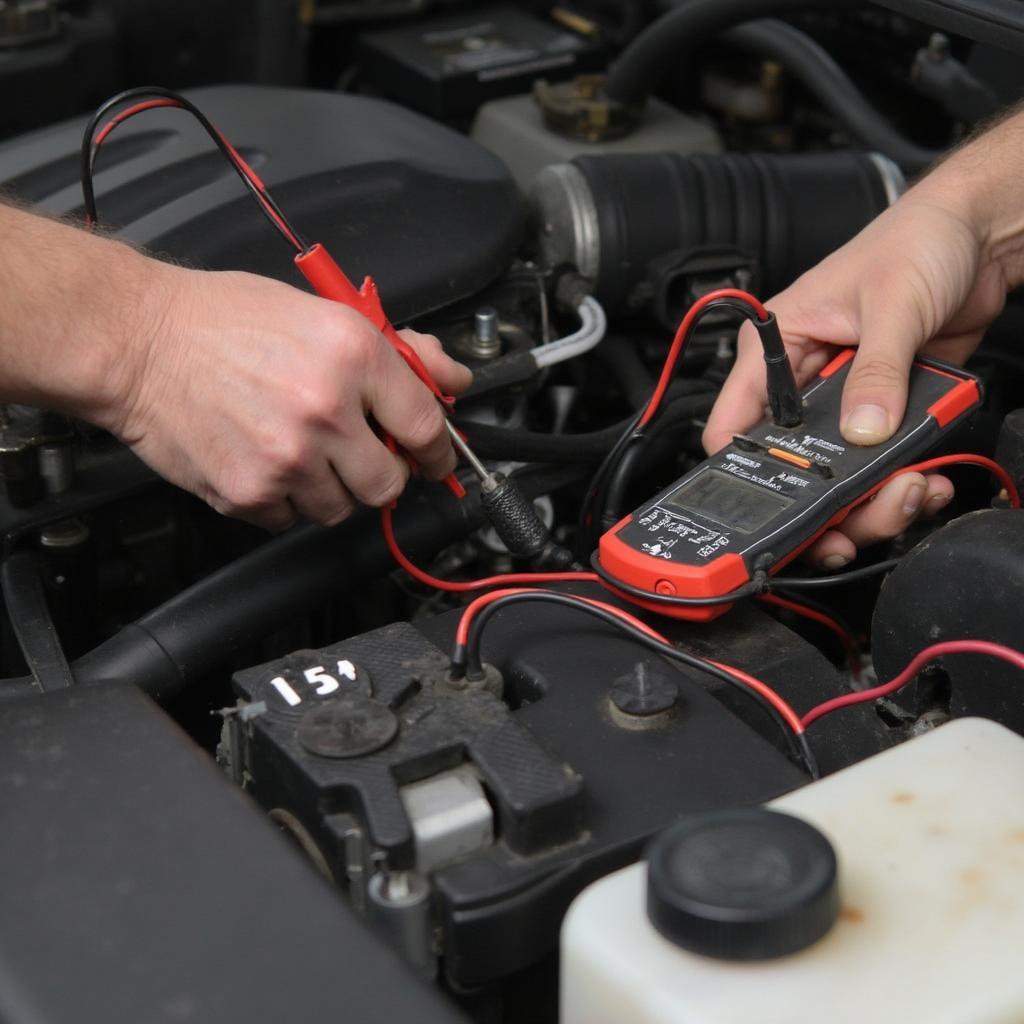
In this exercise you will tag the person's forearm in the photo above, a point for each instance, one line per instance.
(982, 182)
(73, 308)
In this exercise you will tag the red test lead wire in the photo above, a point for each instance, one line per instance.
(917, 663)
(681, 337)
(941, 462)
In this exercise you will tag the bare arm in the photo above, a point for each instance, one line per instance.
(252, 394)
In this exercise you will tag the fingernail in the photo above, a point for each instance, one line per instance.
(835, 561)
(914, 499)
(937, 501)
(867, 424)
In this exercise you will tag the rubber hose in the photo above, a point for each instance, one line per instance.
(673, 39)
(811, 64)
(620, 355)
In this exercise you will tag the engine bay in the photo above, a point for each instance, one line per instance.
(550, 192)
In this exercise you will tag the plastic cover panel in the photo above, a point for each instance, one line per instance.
(432, 215)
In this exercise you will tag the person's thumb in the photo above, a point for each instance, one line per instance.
(875, 394)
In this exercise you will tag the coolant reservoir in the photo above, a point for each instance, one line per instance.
(930, 844)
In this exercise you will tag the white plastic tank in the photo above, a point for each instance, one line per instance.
(513, 129)
(930, 843)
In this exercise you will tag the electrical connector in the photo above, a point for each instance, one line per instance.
(517, 523)
(783, 394)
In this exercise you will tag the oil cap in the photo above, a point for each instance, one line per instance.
(742, 885)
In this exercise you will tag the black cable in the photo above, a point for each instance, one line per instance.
(850, 576)
(587, 516)
(619, 479)
(757, 585)
(620, 355)
(469, 659)
(806, 60)
(610, 510)
(33, 625)
(493, 442)
(672, 40)
(264, 200)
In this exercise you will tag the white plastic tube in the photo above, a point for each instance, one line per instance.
(593, 324)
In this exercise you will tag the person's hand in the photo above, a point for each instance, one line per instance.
(255, 396)
(918, 278)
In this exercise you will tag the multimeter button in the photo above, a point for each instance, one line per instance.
(747, 444)
(796, 460)
(665, 587)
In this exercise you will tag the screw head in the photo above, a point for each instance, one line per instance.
(350, 726)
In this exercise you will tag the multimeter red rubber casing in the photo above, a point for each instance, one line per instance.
(762, 499)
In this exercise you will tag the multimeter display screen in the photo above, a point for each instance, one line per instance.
(728, 500)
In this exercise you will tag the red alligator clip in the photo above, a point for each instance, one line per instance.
(330, 282)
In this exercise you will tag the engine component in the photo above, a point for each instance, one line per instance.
(579, 110)
(515, 130)
(35, 454)
(398, 907)
(447, 65)
(570, 784)
(928, 838)
(804, 58)
(54, 56)
(999, 22)
(1010, 447)
(658, 228)
(965, 580)
(349, 166)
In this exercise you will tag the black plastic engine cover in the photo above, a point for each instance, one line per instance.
(428, 212)
(575, 793)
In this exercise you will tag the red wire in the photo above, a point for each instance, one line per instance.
(777, 701)
(916, 664)
(130, 112)
(951, 460)
(831, 624)
(681, 337)
(236, 157)
(752, 682)
(465, 586)
(474, 606)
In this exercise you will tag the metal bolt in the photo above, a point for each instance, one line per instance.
(486, 337)
(57, 467)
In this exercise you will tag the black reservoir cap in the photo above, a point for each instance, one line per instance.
(742, 885)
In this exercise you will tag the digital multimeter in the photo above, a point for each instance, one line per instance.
(767, 495)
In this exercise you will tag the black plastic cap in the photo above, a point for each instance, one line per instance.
(742, 885)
